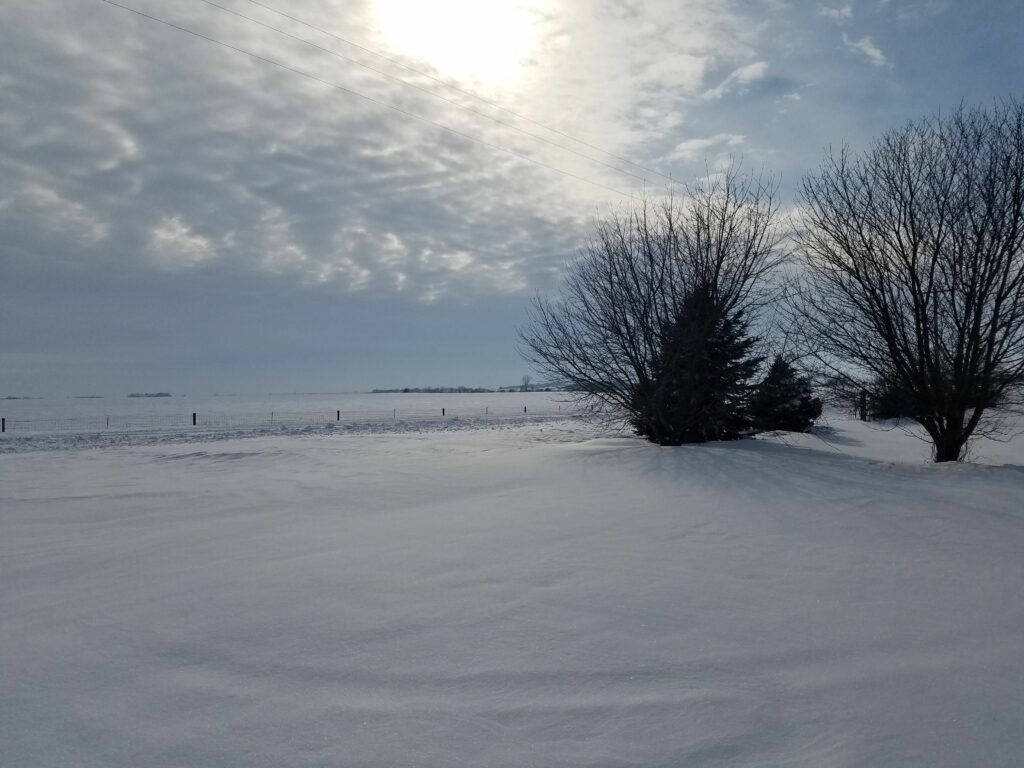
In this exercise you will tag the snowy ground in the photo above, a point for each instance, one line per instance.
(517, 596)
(177, 435)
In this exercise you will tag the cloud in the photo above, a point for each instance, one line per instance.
(865, 47)
(36, 199)
(175, 246)
(711, 147)
(181, 155)
(840, 15)
(738, 80)
(244, 167)
(910, 12)
(131, 144)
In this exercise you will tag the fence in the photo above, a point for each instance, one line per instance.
(237, 420)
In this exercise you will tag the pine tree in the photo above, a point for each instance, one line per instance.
(783, 400)
(700, 383)
(888, 400)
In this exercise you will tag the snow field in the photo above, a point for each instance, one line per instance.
(517, 597)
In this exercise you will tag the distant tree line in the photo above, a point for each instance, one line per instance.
(431, 390)
(899, 280)
(524, 387)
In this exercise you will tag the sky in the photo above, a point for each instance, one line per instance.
(368, 194)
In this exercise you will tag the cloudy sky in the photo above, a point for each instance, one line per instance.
(366, 194)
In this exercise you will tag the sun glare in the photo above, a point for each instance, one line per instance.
(482, 40)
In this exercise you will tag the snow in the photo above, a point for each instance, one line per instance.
(55, 423)
(905, 441)
(528, 595)
(138, 436)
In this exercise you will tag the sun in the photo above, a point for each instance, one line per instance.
(470, 40)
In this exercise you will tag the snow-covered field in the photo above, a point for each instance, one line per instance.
(63, 413)
(62, 423)
(515, 595)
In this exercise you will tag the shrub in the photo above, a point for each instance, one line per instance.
(784, 400)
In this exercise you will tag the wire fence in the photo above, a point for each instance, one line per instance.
(197, 420)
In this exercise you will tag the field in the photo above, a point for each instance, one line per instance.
(520, 594)
(55, 423)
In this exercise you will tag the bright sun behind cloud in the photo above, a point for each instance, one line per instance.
(482, 40)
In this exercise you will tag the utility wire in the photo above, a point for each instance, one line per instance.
(372, 100)
(463, 91)
(426, 91)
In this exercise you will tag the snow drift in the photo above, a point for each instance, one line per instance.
(508, 598)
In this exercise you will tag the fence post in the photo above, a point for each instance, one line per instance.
(339, 416)
(108, 422)
(442, 411)
(193, 418)
(394, 414)
(3, 425)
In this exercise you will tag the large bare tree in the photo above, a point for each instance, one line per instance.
(913, 257)
(604, 332)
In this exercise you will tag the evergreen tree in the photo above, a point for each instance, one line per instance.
(784, 400)
(888, 400)
(700, 383)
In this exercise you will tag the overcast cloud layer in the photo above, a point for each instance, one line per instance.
(178, 215)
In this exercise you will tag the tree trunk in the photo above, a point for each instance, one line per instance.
(949, 449)
(951, 439)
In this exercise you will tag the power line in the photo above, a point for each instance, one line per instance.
(457, 89)
(426, 91)
(372, 100)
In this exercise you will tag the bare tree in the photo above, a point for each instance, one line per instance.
(526, 383)
(604, 332)
(913, 256)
